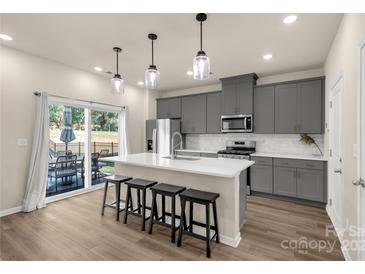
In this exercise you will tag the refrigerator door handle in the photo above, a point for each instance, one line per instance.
(154, 140)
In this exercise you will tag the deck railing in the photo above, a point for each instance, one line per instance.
(79, 147)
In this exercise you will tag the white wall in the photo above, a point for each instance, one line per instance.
(261, 81)
(21, 75)
(343, 60)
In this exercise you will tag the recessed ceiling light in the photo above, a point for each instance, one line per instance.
(140, 83)
(98, 68)
(189, 72)
(290, 19)
(5, 37)
(267, 56)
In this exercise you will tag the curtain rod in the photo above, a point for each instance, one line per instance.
(37, 93)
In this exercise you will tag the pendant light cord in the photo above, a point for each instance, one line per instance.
(201, 35)
(117, 62)
(152, 54)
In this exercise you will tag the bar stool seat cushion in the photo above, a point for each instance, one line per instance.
(118, 178)
(199, 195)
(168, 189)
(140, 183)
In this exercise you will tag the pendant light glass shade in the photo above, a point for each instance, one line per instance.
(201, 67)
(152, 77)
(117, 84)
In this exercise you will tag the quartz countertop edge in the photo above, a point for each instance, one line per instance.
(289, 156)
(197, 151)
(218, 167)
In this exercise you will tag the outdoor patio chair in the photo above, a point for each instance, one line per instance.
(95, 164)
(103, 153)
(65, 167)
(63, 152)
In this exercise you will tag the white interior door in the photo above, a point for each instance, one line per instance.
(335, 166)
(360, 181)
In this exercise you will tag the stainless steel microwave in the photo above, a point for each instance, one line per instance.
(237, 123)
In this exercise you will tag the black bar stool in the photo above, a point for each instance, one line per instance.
(169, 191)
(139, 185)
(203, 198)
(117, 180)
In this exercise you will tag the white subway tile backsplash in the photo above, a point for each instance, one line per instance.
(277, 143)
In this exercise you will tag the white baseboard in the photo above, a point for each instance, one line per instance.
(234, 242)
(344, 249)
(10, 211)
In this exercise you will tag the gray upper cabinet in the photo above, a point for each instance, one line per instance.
(310, 184)
(237, 94)
(245, 97)
(285, 181)
(264, 109)
(194, 114)
(214, 112)
(286, 108)
(229, 98)
(169, 108)
(299, 107)
(310, 107)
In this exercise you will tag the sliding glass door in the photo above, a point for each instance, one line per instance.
(104, 143)
(81, 134)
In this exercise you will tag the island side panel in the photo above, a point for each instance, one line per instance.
(227, 203)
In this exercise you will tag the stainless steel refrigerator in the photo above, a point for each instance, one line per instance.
(159, 133)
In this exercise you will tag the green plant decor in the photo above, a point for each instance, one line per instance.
(308, 140)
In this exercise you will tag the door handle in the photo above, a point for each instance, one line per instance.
(338, 171)
(359, 182)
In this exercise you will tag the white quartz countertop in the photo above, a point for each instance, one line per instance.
(219, 167)
(198, 151)
(289, 156)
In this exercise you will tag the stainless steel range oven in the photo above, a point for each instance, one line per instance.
(236, 123)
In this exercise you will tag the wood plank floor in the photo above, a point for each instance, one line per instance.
(72, 229)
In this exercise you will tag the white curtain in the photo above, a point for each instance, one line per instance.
(123, 133)
(35, 193)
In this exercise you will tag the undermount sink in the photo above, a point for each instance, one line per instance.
(182, 158)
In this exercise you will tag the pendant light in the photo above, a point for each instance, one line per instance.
(152, 75)
(201, 65)
(117, 82)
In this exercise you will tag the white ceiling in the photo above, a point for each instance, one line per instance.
(235, 43)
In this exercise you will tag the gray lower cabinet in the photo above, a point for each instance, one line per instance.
(197, 154)
(264, 109)
(310, 184)
(169, 108)
(194, 114)
(285, 182)
(214, 112)
(261, 178)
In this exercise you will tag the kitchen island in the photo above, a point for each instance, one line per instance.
(228, 177)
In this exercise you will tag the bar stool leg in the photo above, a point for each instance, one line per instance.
(143, 209)
(163, 208)
(127, 202)
(207, 212)
(104, 198)
(216, 222)
(130, 201)
(173, 219)
(183, 203)
(139, 201)
(191, 216)
(153, 210)
(117, 202)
